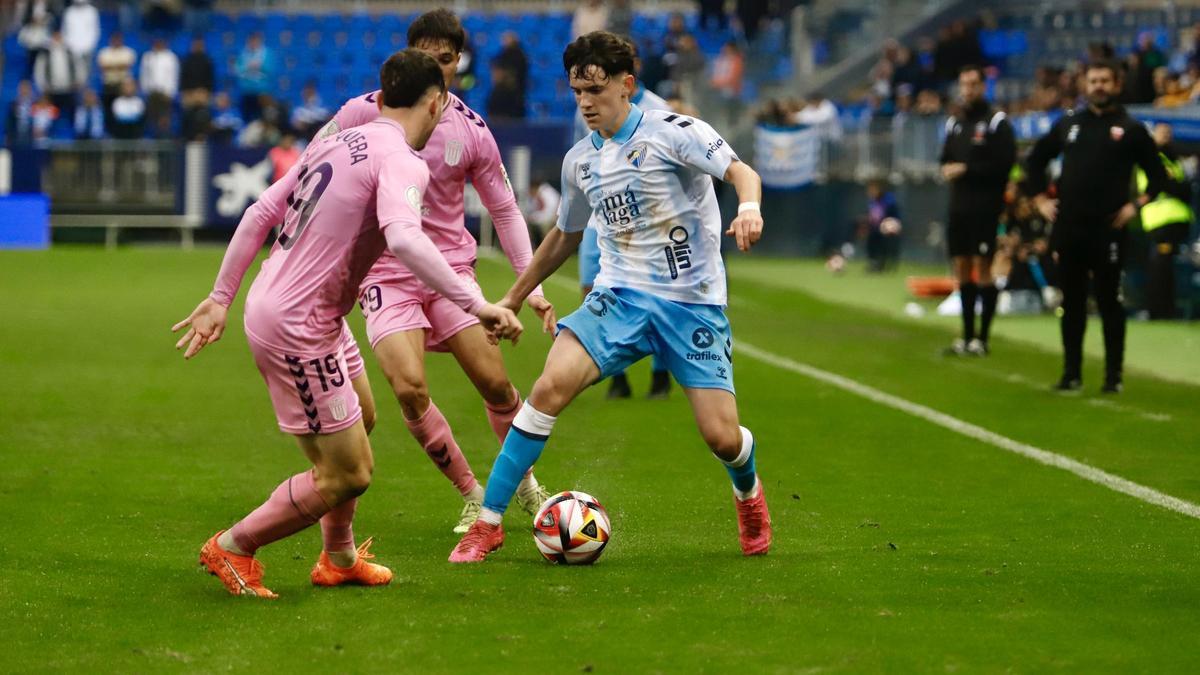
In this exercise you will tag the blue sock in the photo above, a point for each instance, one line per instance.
(522, 447)
(741, 469)
(1035, 269)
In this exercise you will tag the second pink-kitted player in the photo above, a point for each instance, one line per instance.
(405, 316)
(353, 194)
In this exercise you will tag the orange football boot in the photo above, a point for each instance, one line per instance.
(362, 573)
(241, 574)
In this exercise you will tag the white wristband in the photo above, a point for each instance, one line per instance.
(748, 206)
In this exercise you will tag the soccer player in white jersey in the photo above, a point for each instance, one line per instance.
(405, 317)
(642, 179)
(589, 247)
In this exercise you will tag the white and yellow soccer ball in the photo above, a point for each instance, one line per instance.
(571, 528)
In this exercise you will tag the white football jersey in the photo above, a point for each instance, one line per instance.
(648, 192)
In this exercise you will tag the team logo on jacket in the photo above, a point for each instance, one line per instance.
(454, 150)
(585, 171)
(637, 155)
(980, 132)
(1117, 133)
(1073, 133)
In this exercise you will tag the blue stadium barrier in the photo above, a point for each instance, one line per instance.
(25, 223)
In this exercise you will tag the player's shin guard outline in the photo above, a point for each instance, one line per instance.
(522, 446)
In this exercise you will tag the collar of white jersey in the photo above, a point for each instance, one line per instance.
(632, 121)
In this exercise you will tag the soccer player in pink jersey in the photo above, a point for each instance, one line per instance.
(352, 195)
(405, 317)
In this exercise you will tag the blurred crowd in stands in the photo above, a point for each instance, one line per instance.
(163, 94)
(918, 79)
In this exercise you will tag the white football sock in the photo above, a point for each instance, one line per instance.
(489, 516)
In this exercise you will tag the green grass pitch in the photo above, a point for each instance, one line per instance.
(900, 546)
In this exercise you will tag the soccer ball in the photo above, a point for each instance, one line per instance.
(571, 528)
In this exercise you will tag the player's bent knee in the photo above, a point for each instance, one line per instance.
(497, 391)
(411, 392)
(548, 396)
(724, 441)
(358, 481)
(346, 483)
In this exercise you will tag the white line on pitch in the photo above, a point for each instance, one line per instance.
(1084, 471)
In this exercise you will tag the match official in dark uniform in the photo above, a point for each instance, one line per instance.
(1100, 144)
(977, 156)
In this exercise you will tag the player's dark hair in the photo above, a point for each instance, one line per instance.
(439, 25)
(608, 52)
(406, 76)
(973, 68)
(1106, 64)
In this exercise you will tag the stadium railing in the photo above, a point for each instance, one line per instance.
(116, 185)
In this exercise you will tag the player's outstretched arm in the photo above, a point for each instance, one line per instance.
(251, 231)
(206, 323)
(554, 251)
(747, 227)
(413, 248)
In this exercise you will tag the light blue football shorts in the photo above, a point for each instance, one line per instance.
(620, 326)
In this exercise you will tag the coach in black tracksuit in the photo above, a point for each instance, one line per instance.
(1099, 145)
(977, 156)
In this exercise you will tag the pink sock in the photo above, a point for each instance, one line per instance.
(432, 431)
(501, 420)
(336, 526)
(293, 506)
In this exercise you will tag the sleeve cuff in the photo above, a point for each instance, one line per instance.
(221, 298)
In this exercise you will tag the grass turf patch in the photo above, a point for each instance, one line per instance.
(899, 545)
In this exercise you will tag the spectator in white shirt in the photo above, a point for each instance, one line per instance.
(54, 74)
(590, 16)
(35, 38)
(129, 113)
(81, 32)
(160, 83)
(821, 114)
(116, 65)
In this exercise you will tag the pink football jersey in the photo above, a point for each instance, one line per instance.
(461, 148)
(338, 206)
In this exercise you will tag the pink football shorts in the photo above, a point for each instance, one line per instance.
(310, 389)
(396, 304)
(354, 359)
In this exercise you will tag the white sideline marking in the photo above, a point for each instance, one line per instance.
(1084, 471)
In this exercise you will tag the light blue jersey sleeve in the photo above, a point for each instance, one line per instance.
(698, 145)
(574, 210)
